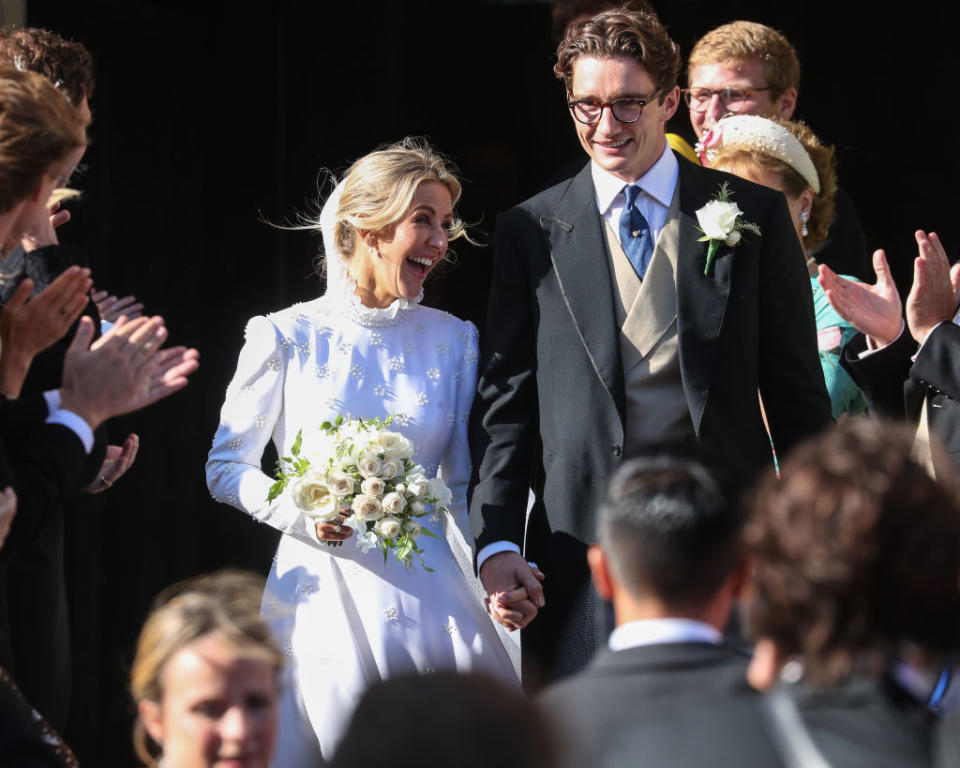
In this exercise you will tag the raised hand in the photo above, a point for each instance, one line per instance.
(110, 307)
(935, 292)
(28, 326)
(514, 592)
(124, 370)
(874, 310)
(118, 460)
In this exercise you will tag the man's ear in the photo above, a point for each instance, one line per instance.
(764, 666)
(786, 104)
(600, 571)
(671, 101)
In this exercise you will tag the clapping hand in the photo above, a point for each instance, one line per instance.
(514, 591)
(117, 462)
(122, 371)
(28, 326)
(110, 307)
(935, 293)
(874, 310)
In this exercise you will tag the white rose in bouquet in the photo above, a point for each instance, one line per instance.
(417, 485)
(340, 483)
(388, 527)
(367, 507)
(418, 508)
(369, 465)
(438, 489)
(393, 503)
(412, 529)
(373, 486)
(394, 445)
(312, 495)
(400, 488)
(390, 469)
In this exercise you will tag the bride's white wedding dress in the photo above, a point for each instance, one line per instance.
(344, 618)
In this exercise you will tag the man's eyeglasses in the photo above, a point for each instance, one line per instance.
(626, 109)
(731, 99)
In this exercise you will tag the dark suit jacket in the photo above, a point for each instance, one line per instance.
(868, 722)
(895, 386)
(46, 464)
(34, 576)
(551, 398)
(671, 704)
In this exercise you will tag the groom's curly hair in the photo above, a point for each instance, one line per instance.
(620, 34)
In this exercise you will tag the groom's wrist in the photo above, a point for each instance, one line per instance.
(495, 549)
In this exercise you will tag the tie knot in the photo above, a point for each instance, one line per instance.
(631, 191)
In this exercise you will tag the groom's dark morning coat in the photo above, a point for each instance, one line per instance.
(551, 401)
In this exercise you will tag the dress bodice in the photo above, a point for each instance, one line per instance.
(310, 362)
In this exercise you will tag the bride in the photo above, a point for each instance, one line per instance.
(366, 348)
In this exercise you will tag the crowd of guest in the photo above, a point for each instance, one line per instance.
(782, 591)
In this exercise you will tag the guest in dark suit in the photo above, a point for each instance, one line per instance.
(856, 551)
(667, 691)
(900, 380)
(609, 326)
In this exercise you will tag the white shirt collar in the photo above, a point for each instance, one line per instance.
(654, 631)
(659, 182)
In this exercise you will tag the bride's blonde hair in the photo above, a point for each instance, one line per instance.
(379, 188)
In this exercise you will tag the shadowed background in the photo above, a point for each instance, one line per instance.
(210, 117)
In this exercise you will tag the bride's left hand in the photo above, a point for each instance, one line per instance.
(334, 530)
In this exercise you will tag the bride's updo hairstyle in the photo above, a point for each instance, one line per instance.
(379, 188)
(744, 154)
(225, 604)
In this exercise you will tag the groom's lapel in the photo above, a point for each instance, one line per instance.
(701, 299)
(578, 251)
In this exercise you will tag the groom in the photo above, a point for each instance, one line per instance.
(608, 328)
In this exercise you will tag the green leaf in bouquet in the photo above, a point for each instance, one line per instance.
(424, 531)
(295, 450)
(339, 420)
(302, 465)
(326, 426)
(277, 488)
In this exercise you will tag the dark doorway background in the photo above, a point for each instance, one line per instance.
(210, 117)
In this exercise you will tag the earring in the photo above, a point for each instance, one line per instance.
(804, 216)
(374, 253)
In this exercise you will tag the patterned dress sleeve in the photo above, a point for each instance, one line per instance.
(455, 467)
(251, 409)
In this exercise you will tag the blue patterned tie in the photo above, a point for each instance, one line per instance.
(635, 237)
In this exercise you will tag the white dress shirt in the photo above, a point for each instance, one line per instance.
(658, 185)
(655, 631)
(68, 419)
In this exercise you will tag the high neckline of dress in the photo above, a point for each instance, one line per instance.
(343, 292)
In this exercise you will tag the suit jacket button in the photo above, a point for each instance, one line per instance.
(616, 450)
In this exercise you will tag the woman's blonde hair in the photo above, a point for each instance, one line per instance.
(379, 188)
(225, 604)
(741, 160)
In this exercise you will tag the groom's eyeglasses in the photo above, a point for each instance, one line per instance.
(626, 109)
(731, 99)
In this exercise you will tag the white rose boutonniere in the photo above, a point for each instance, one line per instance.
(720, 222)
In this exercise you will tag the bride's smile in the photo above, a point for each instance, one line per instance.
(394, 263)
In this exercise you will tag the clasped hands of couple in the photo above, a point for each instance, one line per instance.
(876, 310)
(514, 589)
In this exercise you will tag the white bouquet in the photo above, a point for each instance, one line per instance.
(360, 467)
